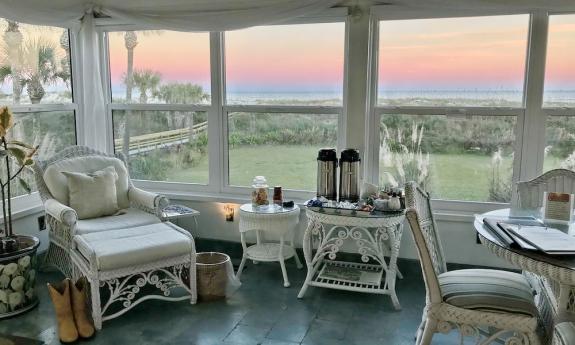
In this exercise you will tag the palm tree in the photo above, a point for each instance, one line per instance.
(13, 39)
(39, 67)
(181, 93)
(145, 80)
(65, 73)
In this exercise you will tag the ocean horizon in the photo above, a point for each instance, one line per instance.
(505, 96)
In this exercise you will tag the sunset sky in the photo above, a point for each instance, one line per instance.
(458, 53)
(441, 54)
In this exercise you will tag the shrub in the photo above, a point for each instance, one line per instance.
(500, 182)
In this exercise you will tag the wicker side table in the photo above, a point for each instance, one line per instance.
(375, 237)
(273, 220)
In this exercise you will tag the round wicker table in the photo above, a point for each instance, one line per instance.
(275, 220)
(374, 236)
(554, 274)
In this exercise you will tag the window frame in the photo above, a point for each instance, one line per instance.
(218, 110)
(533, 84)
(27, 204)
(552, 111)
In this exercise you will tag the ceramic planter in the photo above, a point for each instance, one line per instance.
(18, 278)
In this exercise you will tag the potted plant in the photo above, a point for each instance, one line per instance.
(17, 252)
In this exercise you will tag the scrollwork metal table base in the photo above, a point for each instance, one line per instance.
(375, 239)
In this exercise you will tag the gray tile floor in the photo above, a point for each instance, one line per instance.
(262, 312)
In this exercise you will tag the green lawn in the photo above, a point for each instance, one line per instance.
(453, 176)
(463, 176)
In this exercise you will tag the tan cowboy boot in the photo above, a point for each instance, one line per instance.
(60, 294)
(83, 323)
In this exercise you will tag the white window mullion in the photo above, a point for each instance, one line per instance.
(107, 87)
(217, 150)
(77, 94)
(371, 173)
(533, 136)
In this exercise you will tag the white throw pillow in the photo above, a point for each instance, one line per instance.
(93, 195)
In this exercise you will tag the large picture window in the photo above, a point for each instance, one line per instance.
(559, 96)
(284, 89)
(36, 83)
(455, 157)
(560, 69)
(286, 65)
(476, 61)
(441, 83)
(160, 88)
(283, 147)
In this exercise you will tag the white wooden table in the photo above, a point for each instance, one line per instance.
(275, 220)
(375, 237)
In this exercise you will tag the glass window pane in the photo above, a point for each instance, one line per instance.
(163, 145)
(560, 70)
(35, 64)
(560, 143)
(282, 147)
(165, 67)
(52, 131)
(456, 158)
(286, 64)
(478, 61)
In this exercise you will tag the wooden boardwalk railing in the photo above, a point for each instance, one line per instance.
(147, 142)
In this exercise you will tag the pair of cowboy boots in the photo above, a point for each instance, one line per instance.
(71, 312)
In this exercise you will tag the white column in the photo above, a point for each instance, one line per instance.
(357, 65)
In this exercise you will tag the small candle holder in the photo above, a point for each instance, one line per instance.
(229, 212)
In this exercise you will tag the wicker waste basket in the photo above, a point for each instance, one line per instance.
(213, 276)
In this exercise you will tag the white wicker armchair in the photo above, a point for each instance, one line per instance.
(487, 305)
(140, 207)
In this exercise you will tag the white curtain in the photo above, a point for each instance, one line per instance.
(181, 15)
(91, 86)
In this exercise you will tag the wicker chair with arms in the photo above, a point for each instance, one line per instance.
(488, 305)
(139, 207)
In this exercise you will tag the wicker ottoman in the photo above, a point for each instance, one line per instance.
(124, 261)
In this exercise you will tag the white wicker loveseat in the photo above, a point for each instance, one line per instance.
(139, 207)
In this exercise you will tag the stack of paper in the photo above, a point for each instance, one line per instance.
(532, 237)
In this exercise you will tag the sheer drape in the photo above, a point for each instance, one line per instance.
(182, 15)
(91, 85)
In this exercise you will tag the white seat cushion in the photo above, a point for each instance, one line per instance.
(488, 290)
(564, 333)
(122, 248)
(128, 218)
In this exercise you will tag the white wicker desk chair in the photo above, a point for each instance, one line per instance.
(140, 207)
(564, 334)
(487, 305)
(557, 180)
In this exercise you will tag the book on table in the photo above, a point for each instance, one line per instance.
(532, 236)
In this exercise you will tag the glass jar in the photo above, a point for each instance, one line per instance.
(260, 191)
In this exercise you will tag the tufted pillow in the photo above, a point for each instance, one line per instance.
(93, 195)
